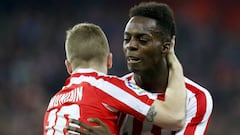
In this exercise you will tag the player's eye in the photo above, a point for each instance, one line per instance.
(143, 40)
(126, 39)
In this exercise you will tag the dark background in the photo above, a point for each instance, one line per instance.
(32, 35)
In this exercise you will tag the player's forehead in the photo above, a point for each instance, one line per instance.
(139, 24)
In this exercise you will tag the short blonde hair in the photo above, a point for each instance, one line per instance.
(86, 42)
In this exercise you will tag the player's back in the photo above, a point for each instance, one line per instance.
(87, 94)
(78, 99)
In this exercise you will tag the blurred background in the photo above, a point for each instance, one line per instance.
(32, 35)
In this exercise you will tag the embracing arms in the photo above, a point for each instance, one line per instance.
(170, 114)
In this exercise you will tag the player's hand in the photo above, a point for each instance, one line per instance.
(171, 57)
(172, 45)
(101, 129)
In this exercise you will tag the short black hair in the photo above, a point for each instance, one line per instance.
(161, 12)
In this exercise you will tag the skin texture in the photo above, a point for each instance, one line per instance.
(102, 129)
(143, 47)
(146, 54)
(152, 114)
(146, 48)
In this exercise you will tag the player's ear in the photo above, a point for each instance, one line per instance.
(165, 47)
(109, 61)
(168, 45)
(68, 66)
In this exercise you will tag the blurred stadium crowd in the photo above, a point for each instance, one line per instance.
(32, 54)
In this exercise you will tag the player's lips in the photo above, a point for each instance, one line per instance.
(132, 59)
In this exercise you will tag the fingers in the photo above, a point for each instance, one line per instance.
(172, 45)
(100, 129)
(72, 134)
(81, 124)
(85, 130)
(77, 130)
(171, 56)
(97, 121)
(74, 121)
(173, 39)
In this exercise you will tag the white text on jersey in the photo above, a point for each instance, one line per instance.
(73, 96)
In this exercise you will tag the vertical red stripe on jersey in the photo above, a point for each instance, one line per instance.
(137, 127)
(201, 109)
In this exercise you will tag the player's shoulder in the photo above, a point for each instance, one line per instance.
(197, 89)
(192, 83)
(199, 101)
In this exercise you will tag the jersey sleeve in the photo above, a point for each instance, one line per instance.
(199, 111)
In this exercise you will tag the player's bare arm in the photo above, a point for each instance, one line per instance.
(167, 114)
(170, 114)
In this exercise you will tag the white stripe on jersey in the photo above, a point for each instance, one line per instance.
(208, 98)
(191, 106)
(195, 85)
(200, 129)
(114, 91)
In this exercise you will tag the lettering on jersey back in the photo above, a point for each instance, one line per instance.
(72, 96)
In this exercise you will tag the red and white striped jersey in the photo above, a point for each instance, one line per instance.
(199, 107)
(88, 93)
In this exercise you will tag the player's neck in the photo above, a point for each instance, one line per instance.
(153, 83)
(99, 68)
(154, 79)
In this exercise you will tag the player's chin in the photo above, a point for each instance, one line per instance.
(134, 69)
